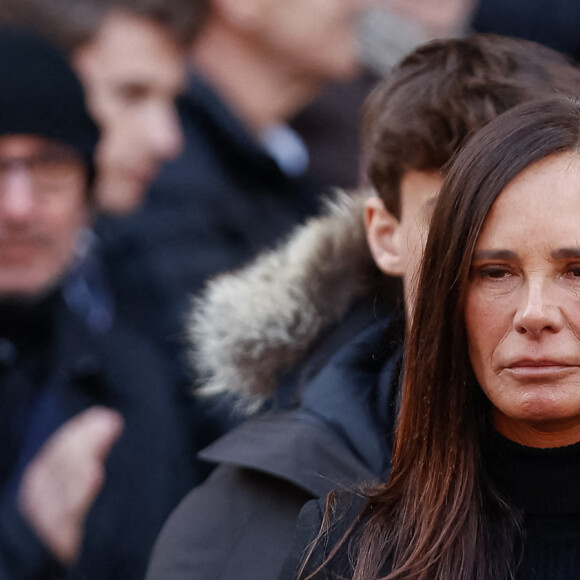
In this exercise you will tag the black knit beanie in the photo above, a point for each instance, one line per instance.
(41, 95)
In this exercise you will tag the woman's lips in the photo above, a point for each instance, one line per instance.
(538, 367)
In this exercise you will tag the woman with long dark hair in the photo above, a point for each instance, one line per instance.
(485, 482)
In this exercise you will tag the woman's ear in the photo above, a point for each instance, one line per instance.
(384, 237)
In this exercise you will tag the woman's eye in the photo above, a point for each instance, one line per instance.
(494, 273)
(575, 271)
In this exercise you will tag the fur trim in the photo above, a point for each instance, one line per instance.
(251, 325)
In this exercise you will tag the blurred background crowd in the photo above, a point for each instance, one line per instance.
(145, 147)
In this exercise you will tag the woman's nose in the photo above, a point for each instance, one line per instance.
(538, 310)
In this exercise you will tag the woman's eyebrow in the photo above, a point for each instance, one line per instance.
(496, 255)
(563, 253)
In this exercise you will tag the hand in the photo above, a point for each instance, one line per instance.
(61, 483)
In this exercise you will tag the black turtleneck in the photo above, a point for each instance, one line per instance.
(544, 486)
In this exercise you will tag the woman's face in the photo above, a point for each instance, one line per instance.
(522, 312)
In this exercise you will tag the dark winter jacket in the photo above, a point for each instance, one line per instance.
(66, 370)
(214, 208)
(549, 22)
(317, 313)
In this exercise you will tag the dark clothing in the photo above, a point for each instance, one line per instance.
(541, 484)
(239, 523)
(88, 288)
(24, 353)
(348, 507)
(64, 368)
(92, 292)
(211, 210)
(330, 127)
(550, 22)
(41, 95)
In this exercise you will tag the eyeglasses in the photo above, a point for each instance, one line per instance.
(51, 170)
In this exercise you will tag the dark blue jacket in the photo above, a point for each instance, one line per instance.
(148, 471)
(215, 207)
(332, 429)
(550, 22)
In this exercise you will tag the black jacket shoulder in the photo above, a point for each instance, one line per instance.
(237, 509)
(268, 469)
(241, 520)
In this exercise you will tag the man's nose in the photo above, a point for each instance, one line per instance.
(17, 197)
(164, 132)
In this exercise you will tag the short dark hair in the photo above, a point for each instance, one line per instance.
(444, 92)
(73, 23)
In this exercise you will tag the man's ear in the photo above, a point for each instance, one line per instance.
(384, 237)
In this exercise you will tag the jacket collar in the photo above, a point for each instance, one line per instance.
(336, 432)
(293, 446)
(223, 126)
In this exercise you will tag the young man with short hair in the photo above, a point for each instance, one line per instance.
(312, 326)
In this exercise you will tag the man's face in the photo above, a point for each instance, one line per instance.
(398, 244)
(132, 71)
(42, 210)
(317, 38)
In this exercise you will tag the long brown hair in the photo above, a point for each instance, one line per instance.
(439, 517)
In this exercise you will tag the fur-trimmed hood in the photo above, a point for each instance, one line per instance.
(251, 325)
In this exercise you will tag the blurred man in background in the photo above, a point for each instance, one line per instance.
(389, 30)
(129, 55)
(239, 184)
(95, 447)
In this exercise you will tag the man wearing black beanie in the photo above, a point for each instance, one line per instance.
(41, 96)
(93, 454)
(48, 100)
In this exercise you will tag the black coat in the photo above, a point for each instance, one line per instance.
(550, 22)
(148, 470)
(215, 207)
(239, 524)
